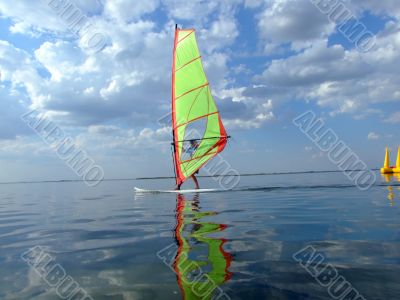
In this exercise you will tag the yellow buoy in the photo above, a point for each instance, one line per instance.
(396, 169)
(386, 165)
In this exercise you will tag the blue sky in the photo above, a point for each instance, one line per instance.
(267, 62)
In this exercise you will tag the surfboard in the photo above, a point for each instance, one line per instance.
(139, 190)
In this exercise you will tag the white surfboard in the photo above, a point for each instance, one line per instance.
(138, 190)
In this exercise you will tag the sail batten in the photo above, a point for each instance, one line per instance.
(198, 118)
(195, 116)
(182, 30)
(193, 60)
(192, 90)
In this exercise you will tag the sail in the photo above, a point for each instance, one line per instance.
(195, 116)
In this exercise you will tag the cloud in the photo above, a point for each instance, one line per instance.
(373, 136)
(18, 67)
(343, 81)
(308, 148)
(128, 10)
(317, 64)
(253, 3)
(318, 155)
(123, 81)
(115, 140)
(222, 33)
(129, 81)
(247, 114)
(190, 10)
(24, 148)
(386, 7)
(63, 60)
(12, 107)
(394, 118)
(295, 22)
(98, 140)
(18, 76)
(28, 15)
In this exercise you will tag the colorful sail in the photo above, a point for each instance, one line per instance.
(197, 127)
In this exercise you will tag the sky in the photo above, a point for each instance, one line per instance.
(267, 63)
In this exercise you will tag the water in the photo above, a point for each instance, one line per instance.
(240, 244)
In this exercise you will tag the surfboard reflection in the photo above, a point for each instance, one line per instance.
(201, 264)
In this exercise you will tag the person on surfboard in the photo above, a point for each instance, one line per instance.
(191, 150)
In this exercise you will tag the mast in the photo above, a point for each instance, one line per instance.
(173, 116)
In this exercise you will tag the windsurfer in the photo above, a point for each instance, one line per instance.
(196, 183)
(191, 150)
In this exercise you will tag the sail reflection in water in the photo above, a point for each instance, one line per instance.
(201, 264)
(391, 193)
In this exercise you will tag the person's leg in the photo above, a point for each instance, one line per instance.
(195, 182)
(178, 187)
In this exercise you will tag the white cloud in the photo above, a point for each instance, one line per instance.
(373, 136)
(190, 10)
(394, 118)
(17, 66)
(115, 83)
(222, 33)
(252, 3)
(104, 129)
(98, 140)
(318, 155)
(296, 22)
(62, 59)
(115, 140)
(308, 148)
(21, 147)
(13, 105)
(130, 79)
(37, 17)
(129, 10)
(317, 64)
(248, 113)
(23, 28)
(31, 15)
(343, 81)
(390, 7)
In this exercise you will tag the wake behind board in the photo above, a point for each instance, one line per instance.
(138, 190)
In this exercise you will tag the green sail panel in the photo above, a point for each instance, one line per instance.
(196, 122)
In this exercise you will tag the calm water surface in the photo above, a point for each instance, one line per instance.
(118, 245)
